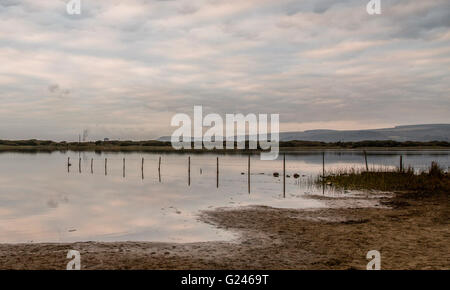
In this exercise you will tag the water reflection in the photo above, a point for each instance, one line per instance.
(153, 197)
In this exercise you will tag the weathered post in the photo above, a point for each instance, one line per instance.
(217, 173)
(323, 164)
(365, 158)
(92, 165)
(284, 175)
(79, 164)
(189, 170)
(123, 167)
(106, 166)
(159, 169)
(248, 174)
(68, 164)
(323, 173)
(401, 163)
(142, 168)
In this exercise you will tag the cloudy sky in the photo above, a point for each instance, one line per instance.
(122, 69)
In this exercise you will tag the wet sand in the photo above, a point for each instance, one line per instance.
(409, 233)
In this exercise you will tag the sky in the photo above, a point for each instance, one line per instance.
(122, 69)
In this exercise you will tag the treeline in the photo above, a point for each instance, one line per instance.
(34, 142)
(155, 143)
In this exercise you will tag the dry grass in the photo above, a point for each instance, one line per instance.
(430, 182)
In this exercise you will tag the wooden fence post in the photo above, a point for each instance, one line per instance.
(159, 169)
(365, 158)
(323, 173)
(248, 173)
(323, 164)
(284, 175)
(142, 168)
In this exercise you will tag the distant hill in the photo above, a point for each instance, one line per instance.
(422, 133)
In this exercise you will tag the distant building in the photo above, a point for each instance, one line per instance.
(106, 139)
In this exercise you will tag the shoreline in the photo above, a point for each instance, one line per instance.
(170, 150)
(409, 233)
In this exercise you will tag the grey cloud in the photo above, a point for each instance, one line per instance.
(58, 92)
(123, 71)
(53, 88)
(187, 9)
(421, 23)
(323, 5)
(8, 3)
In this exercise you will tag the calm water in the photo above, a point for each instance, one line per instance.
(40, 201)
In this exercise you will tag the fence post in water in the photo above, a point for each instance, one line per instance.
(365, 158)
(68, 164)
(123, 167)
(92, 165)
(159, 169)
(189, 170)
(401, 163)
(323, 173)
(106, 166)
(79, 164)
(323, 164)
(248, 174)
(284, 175)
(217, 173)
(142, 168)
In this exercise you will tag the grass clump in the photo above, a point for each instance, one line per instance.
(432, 181)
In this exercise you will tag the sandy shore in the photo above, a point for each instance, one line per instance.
(409, 233)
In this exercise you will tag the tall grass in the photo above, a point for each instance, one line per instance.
(431, 181)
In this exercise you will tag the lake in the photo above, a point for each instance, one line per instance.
(42, 201)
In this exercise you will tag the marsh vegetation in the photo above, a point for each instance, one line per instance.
(434, 180)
